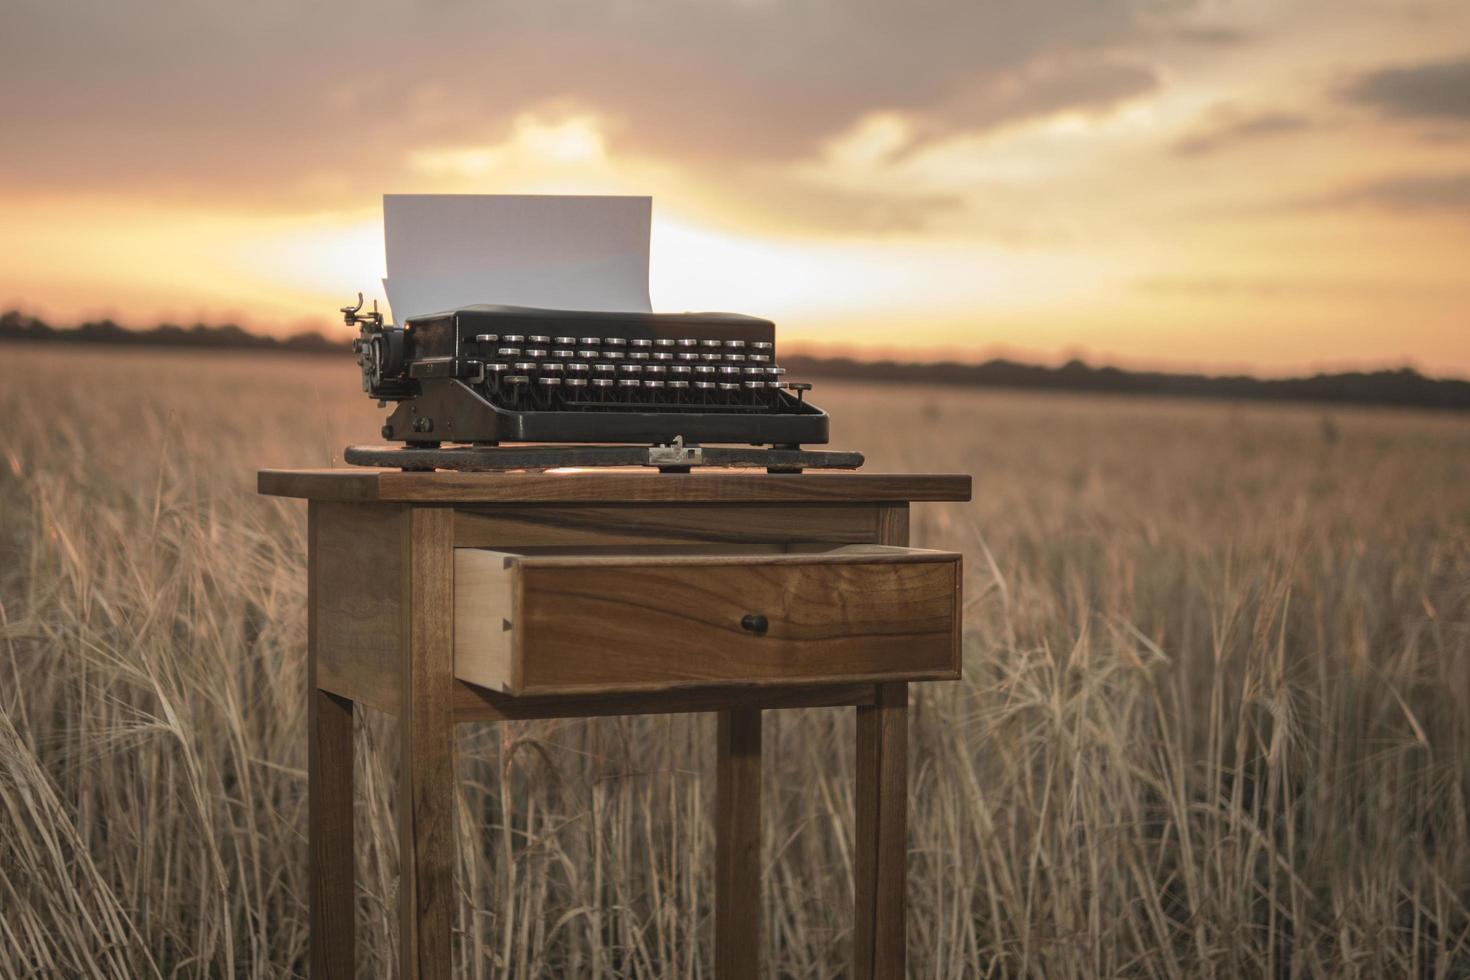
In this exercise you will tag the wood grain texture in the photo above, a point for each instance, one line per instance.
(330, 851)
(610, 486)
(605, 623)
(880, 860)
(566, 525)
(426, 725)
(473, 703)
(357, 559)
(738, 846)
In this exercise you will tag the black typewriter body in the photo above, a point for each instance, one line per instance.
(495, 374)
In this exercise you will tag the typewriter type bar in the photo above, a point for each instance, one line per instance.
(492, 374)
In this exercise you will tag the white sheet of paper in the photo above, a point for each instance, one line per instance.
(445, 251)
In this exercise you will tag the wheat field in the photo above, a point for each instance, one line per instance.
(1215, 720)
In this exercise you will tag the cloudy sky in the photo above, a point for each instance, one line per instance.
(1266, 184)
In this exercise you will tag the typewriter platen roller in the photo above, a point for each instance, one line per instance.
(485, 375)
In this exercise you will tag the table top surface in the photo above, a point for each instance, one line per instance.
(621, 486)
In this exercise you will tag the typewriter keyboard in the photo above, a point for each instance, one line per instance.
(539, 373)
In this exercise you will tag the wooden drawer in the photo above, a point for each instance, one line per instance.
(551, 623)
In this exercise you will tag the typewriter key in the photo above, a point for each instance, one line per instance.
(639, 342)
(762, 345)
(704, 369)
(654, 369)
(759, 358)
(535, 353)
(752, 385)
(549, 382)
(494, 369)
(663, 342)
(631, 368)
(660, 355)
(678, 384)
(509, 352)
(729, 371)
(563, 355)
(577, 366)
(525, 365)
(683, 369)
(587, 355)
(710, 343)
(614, 355)
(709, 358)
(688, 356)
(513, 338)
(628, 382)
(603, 369)
(576, 382)
(539, 340)
(614, 342)
(734, 358)
(754, 372)
(590, 341)
(638, 355)
(735, 344)
(486, 338)
(776, 371)
(688, 342)
(704, 385)
(516, 380)
(653, 384)
(565, 341)
(553, 366)
(726, 386)
(602, 382)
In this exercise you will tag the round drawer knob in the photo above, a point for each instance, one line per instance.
(755, 623)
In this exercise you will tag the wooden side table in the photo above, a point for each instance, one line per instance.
(459, 597)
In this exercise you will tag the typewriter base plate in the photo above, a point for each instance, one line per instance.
(670, 459)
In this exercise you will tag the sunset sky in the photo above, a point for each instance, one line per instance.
(1274, 185)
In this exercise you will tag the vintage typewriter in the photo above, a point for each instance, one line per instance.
(594, 388)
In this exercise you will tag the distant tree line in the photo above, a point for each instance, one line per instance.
(1403, 387)
(15, 325)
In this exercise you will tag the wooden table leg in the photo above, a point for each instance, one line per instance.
(880, 864)
(738, 846)
(331, 881)
(426, 776)
(329, 835)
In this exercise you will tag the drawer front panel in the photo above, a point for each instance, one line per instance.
(649, 625)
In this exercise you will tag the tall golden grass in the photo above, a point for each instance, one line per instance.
(1215, 719)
